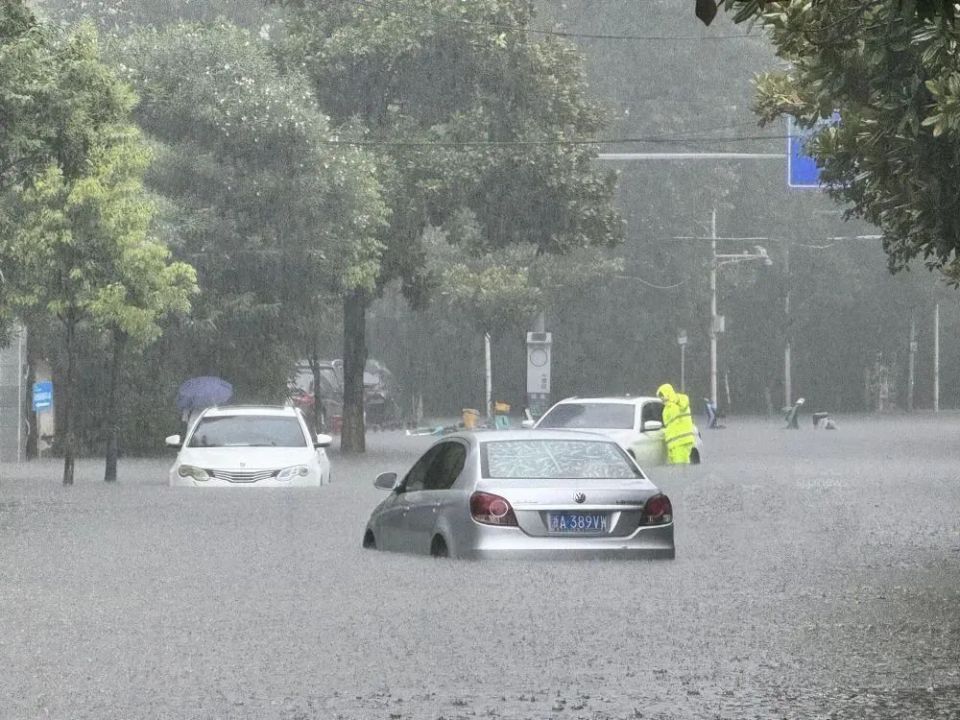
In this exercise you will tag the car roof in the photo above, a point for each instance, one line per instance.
(269, 410)
(485, 436)
(610, 400)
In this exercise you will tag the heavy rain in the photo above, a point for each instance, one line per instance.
(453, 359)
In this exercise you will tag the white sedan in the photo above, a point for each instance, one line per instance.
(636, 423)
(250, 446)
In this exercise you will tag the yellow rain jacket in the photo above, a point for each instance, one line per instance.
(678, 428)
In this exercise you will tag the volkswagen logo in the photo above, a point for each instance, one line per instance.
(580, 497)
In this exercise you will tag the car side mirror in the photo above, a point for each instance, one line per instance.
(528, 424)
(386, 481)
(323, 441)
(172, 441)
(651, 425)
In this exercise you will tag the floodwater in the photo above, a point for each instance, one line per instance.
(816, 577)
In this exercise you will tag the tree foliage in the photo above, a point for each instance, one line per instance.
(123, 16)
(890, 69)
(467, 121)
(275, 217)
(80, 251)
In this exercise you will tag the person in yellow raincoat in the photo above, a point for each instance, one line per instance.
(678, 428)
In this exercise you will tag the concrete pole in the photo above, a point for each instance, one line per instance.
(936, 357)
(912, 362)
(488, 375)
(787, 360)
(21, 366)
(540, 322)
(683, 368)
(713, 307)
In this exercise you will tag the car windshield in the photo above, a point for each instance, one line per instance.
(248, 431)
(555, 459)
(606, 416)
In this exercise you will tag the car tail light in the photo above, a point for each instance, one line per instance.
(657, 511)
(491, 509)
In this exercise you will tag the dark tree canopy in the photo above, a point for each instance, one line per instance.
(888, 67)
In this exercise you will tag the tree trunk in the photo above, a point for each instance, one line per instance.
(319, 414)
(353, 438)
(33, 432)
(113, 414)
(69, 441)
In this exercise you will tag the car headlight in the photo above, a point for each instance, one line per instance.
(192, 471)
(291, 472)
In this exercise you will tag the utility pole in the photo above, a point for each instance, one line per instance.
(716, 260)
(912, 362)
(787, 374)
(488, 375)
(713, 307)
(682, 342)
(683, 368)
(936, 357)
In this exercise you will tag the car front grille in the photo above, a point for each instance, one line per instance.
(242, 476)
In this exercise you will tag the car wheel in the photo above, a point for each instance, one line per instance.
(369, 541)
(438, 548)
(694, 457)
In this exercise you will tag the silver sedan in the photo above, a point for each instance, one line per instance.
(523, 494)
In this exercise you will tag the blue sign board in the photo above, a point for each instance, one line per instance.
(42, 396)
(802, 170)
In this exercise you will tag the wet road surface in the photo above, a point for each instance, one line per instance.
(816, 577)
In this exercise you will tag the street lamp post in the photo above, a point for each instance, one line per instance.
(716, 323)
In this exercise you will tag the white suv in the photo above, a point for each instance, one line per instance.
(636, 423)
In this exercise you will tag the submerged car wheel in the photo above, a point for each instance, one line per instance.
(438, 548)
(369, 541)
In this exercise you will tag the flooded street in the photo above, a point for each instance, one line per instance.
(816, 577)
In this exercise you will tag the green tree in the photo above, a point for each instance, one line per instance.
(275, 217)
(27, 77)
(80, 231)
(146, 286)
(126, 15)
(889, 67)
(464, 117)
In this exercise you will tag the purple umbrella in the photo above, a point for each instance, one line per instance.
(202, 392)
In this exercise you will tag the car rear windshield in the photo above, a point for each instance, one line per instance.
(606, 416)
(559, 459)
(248, 431)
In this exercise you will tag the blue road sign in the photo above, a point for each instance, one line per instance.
(42, 396)
(802, 170)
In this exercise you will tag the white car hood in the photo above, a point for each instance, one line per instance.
(246, 458)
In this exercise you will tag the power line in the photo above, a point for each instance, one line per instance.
(650, 284)
(676, 140)
(691, 156)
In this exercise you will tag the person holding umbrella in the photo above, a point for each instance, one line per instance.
(199, 393)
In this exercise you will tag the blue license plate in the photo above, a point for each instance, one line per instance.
(576, 523)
